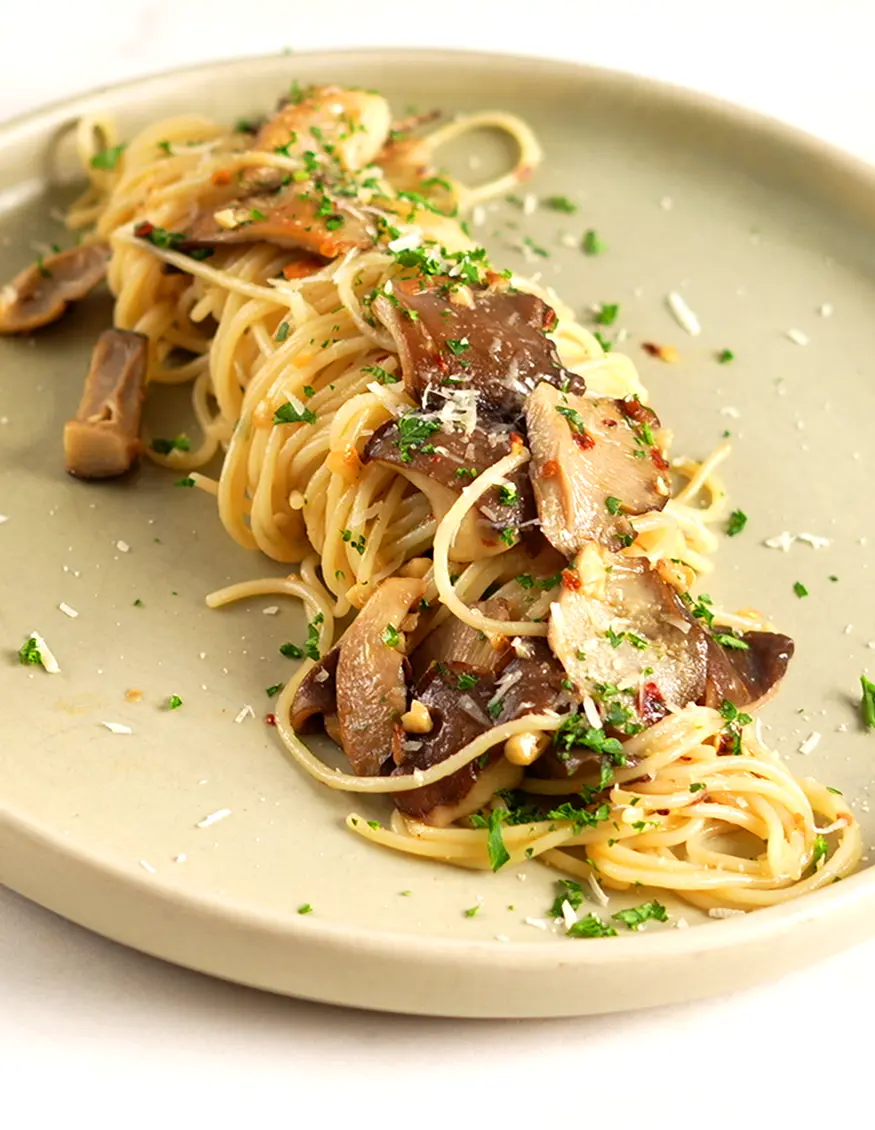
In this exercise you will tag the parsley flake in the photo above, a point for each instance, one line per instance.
(289, 414)
(737, 522)
(635, 916)
(107, 158)
(592, 245)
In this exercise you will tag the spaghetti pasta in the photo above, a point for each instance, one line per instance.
(293, 368)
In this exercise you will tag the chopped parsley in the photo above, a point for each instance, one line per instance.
(289, 414)
(636, 915)
(737, 522)
(165, 446)
(256, 216)
(868, 702)
(413, 432)
(29, 652)
(305, 908)
(381, 375)
(607, 313)
(44, 271)
(165, 145)
(465, 473)
(725, 356)
(311, 646)
(174, 702)
(570, 892)
(527, 581)
(273, 691)
(579, 816)
(466, 681)
(291, 651)
(574, 418)
(591, 244)
(471, 911)
(734, 720)
(498, 853)
(697, 786)
(282, 332)
(534, 248)
(159, 237)
(457, 346)
(138, 603)
(508, 495)
(800, 589)
(576, 731)
(591, 927)
(606, 345)
(108, 158)
(616, 638)
(613, 505)
(508, 535)
(820, 851)
(730, 640)
(391, 637)
(560, 204)
(188, 481)
(358, 544)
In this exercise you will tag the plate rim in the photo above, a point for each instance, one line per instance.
(842, 901)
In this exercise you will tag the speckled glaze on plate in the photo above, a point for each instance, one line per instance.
(759, 227)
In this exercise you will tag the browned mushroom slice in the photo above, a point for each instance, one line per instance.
(594, 461)
(748, 676)
(454, 458)
(102, 440)
(464, 703)
(618, 624)
(291, 219)
(457, 642)
(317, 694)
(495, 343)
(371, 688)
(44, 290)
(348, 126)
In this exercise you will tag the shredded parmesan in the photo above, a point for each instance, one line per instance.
(122, 547)
(117, 728)
(725, 912)
(3, 518)
(825, 310)
(811, 742)
(785, 540)
(504, 684)
(598, 894)
(538, 923)
(797, 337)
(246, 712)
(271, 610)
(68, 611)
(684, 316)
(147, 866)
(213, 818)
(406, 242)
(569, 915)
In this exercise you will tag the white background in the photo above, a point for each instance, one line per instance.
(93, 1032)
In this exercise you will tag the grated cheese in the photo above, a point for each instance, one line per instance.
(569, 915)
(683, 315)
(246, 712)
(213, 818)
(181, 858)
(504, 684)
(3, 518)
(825, 310)
(598, 894)
(725, 912)
(406, 242)
(68, 611)
(117, 728)
(530, 203)
(502, 938)
(785, 540)
(122, 546)
(538, 923)
(592, 712)
(271, 610)
(666, 203)
(811, 742)
(797, 337)
(147, 866)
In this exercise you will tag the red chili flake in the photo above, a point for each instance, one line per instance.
(222, 176)
(550, 470)
(659, 460)
(584, 441)
(571, 579)
(270, 719)
(516, 439)
(651, 704)
(524, 172)
(666, 353)
(609, 423)
(144, 229)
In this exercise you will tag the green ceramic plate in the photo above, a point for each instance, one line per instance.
(760, 228)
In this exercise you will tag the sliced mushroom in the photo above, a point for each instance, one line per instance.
(454, 458)
(594, 462)
(461, 712)
(495, 343)
(348, 127)
(618, 624)
(290, 218)
(457, 642)
(317, 695)
(102, 440)
(748, 676)
(371, 687)
(42, 292)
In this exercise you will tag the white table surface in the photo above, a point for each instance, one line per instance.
(126, 1040)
